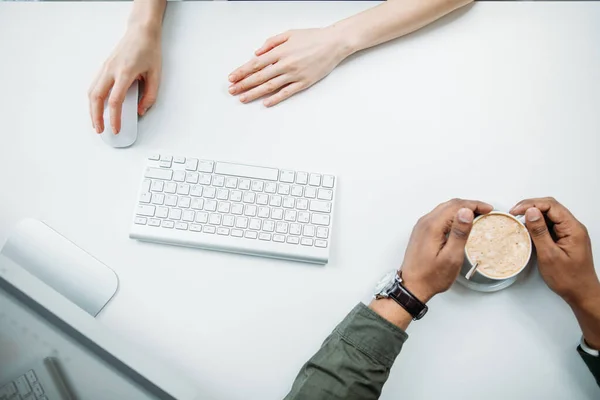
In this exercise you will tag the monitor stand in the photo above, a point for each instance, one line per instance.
(62, 265)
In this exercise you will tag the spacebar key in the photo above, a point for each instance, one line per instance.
(247, 171)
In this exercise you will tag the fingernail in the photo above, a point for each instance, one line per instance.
(267, 103)
(465, 215)
(232, 89)
(533, 214)
(243, 98)
(231, 78)
(144, 110)
(114, 129)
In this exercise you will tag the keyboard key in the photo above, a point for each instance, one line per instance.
(179, 160)
(275, 201)
(251, 235)
(250, 210)
(192, 177)
(310, 192)
(244, 184)
(231, 183)
(269, 226)
(322, 232)
(249, 197)
(31, 378)
(165, 163)
(22, 385)
(303, 217)
(223, 194)
(204, 179)
(309, 230)
(320, 243)
(196, 191)
(188, 215)
(228, 220)
(325, 194)
(209, 192)
(183, 188)
(179, 176)
(145, 198)
(235, 195)
(154, 222)
(314, 180)
(263, 212)
(279, 238)
(175, 213)
(209, 229)
(257, 186)
(295, 229)
(289, 202)
(201, 217)
(205, 166)
(247, 171)
(147, 211)
(302, 178)
(255, 224)
(157, 186)
(290, 215)
(158, 198)
(153, 157)
(281, 227)
(214, 219)
(241, 222)
(262, 199)
(328, 181)
(237, 209)
(320, 206)
(146, 186)
(182, 226)
(166, 157)
(170, 187)
(184, 202)
(222, 231)
(320, 219)
(157, 173)
(191, 164)
(224, 207)
(171, 200)
(210, 205)
(162, 212)
(287, 176)
(195, 228)
(277, 213)
(167, 224)
(9, 390)
(140, 220)
(293, 240)
(218, 181)
(302, 204)
(283, 189)
(237, 232)
(264, 236)
(270, 187)
(297, 191)
(306, 242)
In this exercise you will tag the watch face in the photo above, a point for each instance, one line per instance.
(385, 284)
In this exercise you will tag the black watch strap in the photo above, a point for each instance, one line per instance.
(408, 301)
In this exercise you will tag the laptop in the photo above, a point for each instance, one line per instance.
(51, 349)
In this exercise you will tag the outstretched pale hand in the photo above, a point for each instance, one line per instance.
(288, 63)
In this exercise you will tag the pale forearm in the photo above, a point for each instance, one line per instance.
(148, 14)
(390, 20)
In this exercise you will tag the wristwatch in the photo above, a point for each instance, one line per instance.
(391, 286)
(588, 349)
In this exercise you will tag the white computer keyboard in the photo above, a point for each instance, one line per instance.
(236, 208)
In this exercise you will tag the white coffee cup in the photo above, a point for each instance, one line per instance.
(520, 221)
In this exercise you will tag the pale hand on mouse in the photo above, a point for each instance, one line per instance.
(137, 56)
(565, 259)
(288, 63)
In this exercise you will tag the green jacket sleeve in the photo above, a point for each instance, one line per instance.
(354, 361)
(592, 362)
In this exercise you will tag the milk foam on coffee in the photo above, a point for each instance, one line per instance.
(499, 244)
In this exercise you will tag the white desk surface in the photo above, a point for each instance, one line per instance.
(498, 102)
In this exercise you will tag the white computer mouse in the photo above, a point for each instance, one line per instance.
(129, 116)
